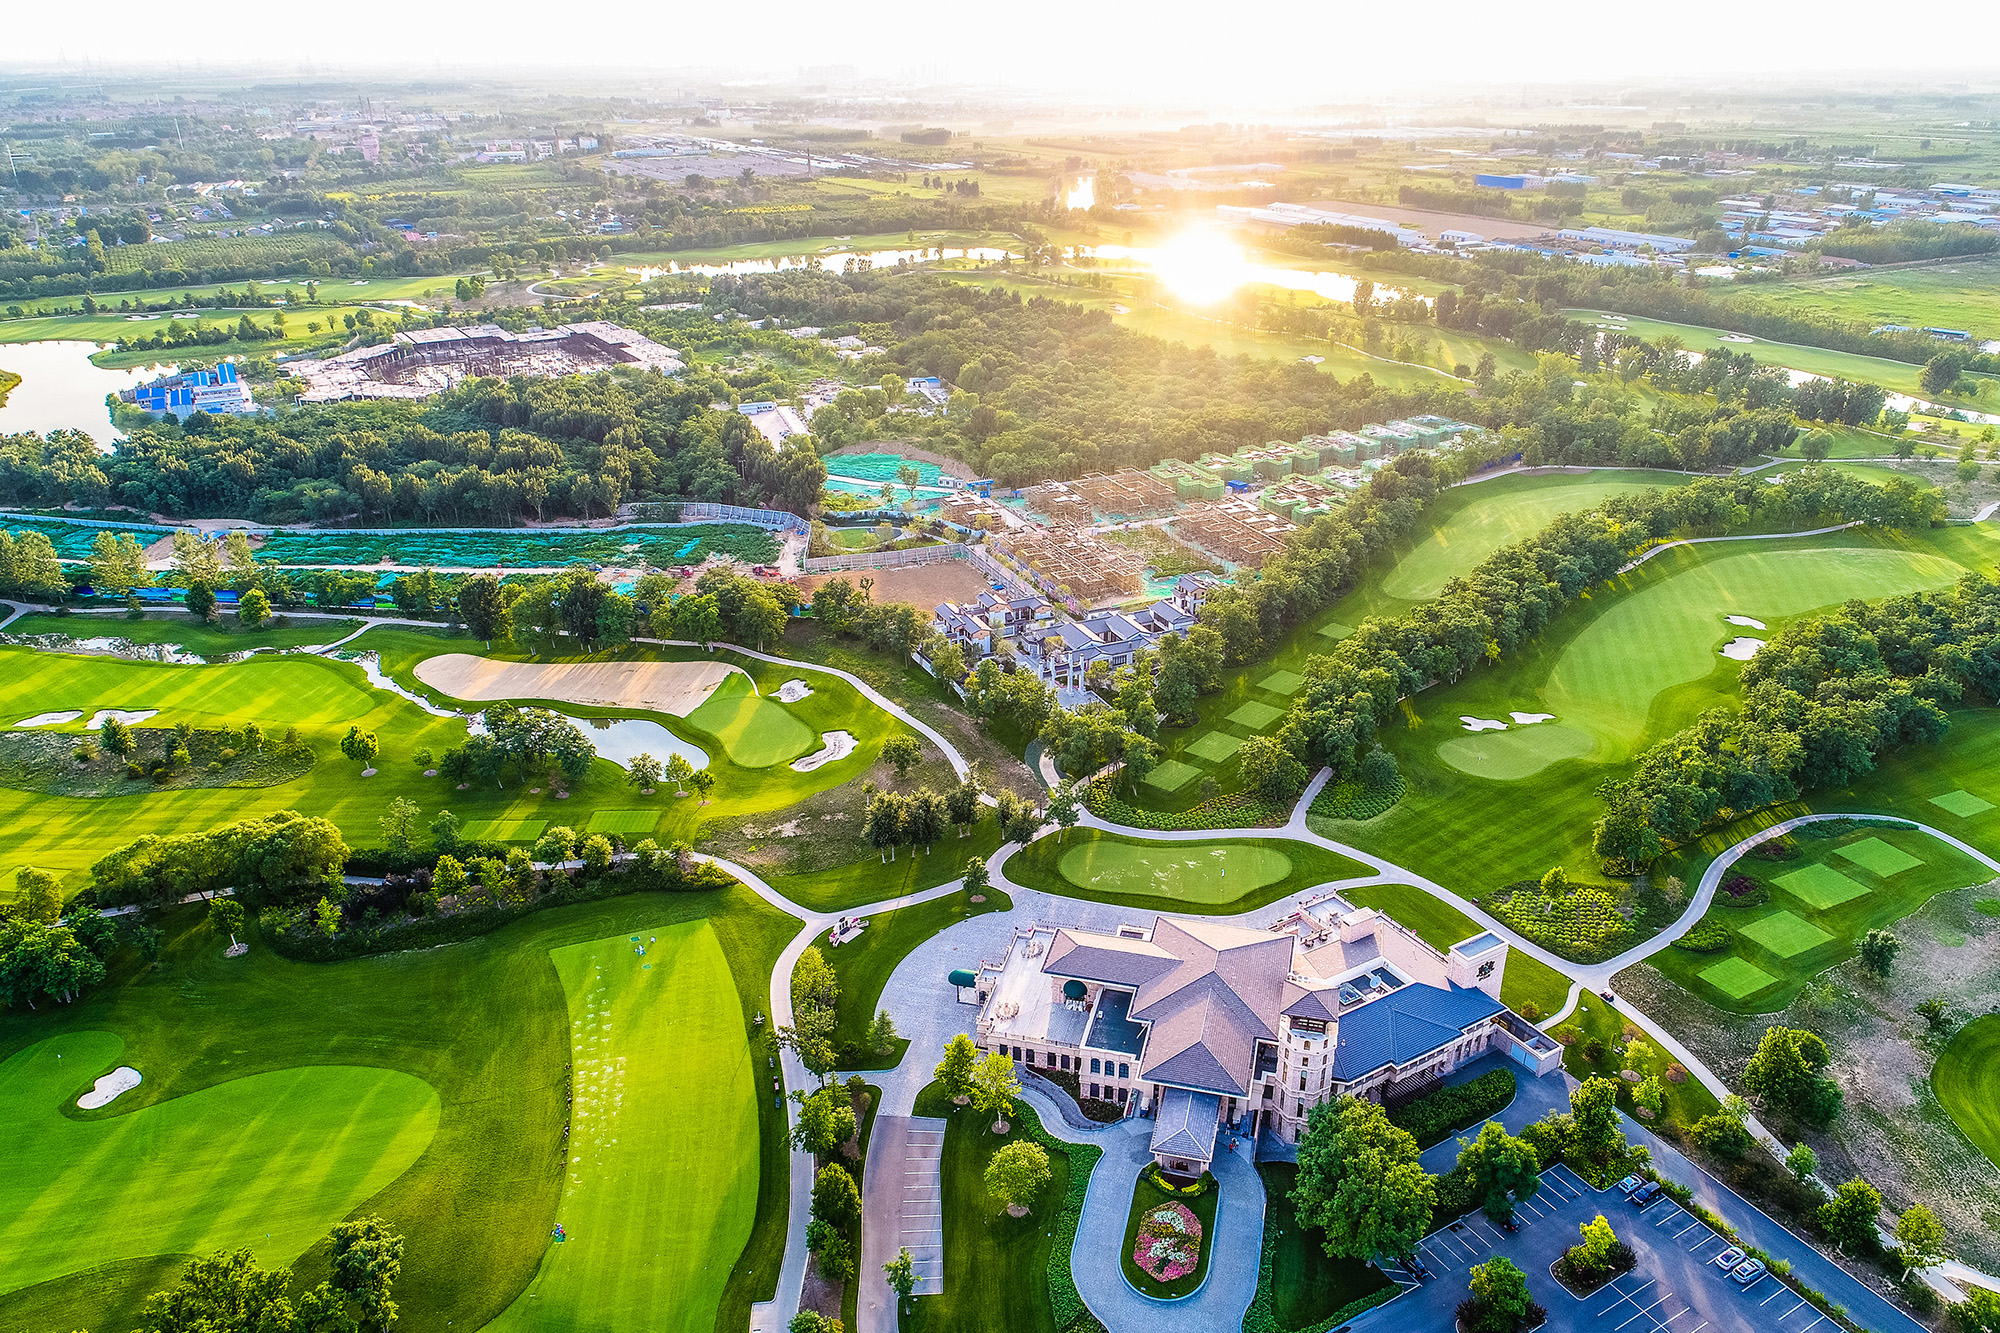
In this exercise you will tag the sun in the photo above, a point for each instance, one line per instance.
(1201, 266)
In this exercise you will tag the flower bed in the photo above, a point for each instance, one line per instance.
(1169, 1244)
(1166, 1249)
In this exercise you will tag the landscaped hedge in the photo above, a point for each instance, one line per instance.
(1350, 800)
(1065, 1302)
(1436, 1116)
(1242, 810)
(1706, 936)
(1583, 924)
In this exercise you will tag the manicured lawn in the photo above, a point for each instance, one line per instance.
(872, 880)
(1961, 803)
(1597, 1021)
(1816, 912)
(863, 967)
(1967, 1079)
(1236, 875)
(175, 1177)
(503, 830)
(1518, 752)
(625, 823)
(1255, 716)
(480, 1030)
(1440, 925)
(180, 629)
(995, 1266)
(1215, 747)
(1282, 682)
(1171, 775)
(1307, 1284)
(1475, 521)
(755, 731)
(655, 1215)
(1148, 1194)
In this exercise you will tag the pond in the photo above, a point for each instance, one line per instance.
(620, 739)
(61, 390)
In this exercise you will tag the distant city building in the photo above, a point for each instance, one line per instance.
(1613, 239)
(214, 391)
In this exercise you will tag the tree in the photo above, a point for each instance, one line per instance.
(976, 880)
(398, 824)
(557, 844)
(229, 1293)
(882, 1035)
(994, 1089)
(448, 876)
(1878, 951)
(1593, 1255)
(1270, 770)
(1595, 1136)
(815, 985)
(1499, 1295)
(361, 746)
(1785, 1072)
(116, 737)
(810, 1037)
(200, 600)
(1817, 445)
(596, 853)
(825, 1121)
(1361, 1183)
(1801, 1161)
(1935, 1012)
(444, 831)
(1939, 374)
(835, 1200)
(961, 803)
(39, 893)
(956, 1070)
(902, 753)
(225, 915)
(703, 781)
(1020, 821)
(643, 772)
(483, 608)
(1849, 1217)
(253, 608)
(40, 958)
(1016, 1174)
(1504, 1170)
(1064, 808)
(367, 1257)
(694, 619)
(678, 771)
(902, 1274)
(1921, 1237)
(812, 1321)
(118, 565)
(253, 737)
(1979, 1312)
(1722, 1135)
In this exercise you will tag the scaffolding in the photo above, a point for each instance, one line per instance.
(1237, 530)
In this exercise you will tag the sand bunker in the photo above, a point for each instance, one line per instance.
(839, 745)
(1734, 338)
(50, 719)
(662, 687)
(1741, 649)
(1482, 724)
(1747, 622)
(1530, 719)
(792, 691)
(106, 1089)
(129, 716)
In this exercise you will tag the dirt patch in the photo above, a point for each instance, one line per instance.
(923, 586)
(1892, 1132)
(662, 687)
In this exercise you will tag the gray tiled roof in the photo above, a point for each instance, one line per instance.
(1108, 959)
(1185, 1125)
(1321, 1003)
(1208, 1011)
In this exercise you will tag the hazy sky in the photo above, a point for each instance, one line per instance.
(1172, 53)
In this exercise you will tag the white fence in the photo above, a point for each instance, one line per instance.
(916, 555)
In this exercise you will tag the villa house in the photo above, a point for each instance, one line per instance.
(1202, 1025)
(981, 623)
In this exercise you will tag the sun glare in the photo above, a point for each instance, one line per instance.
(1083, 194)
(1201, 266)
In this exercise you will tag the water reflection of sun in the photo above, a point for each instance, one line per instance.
(1201, 266)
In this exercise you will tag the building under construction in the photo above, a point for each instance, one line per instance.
(417, 363)
(1239, 531)
(1115, 496)
(1072, 563)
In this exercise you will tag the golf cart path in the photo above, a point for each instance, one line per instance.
(1652, 551)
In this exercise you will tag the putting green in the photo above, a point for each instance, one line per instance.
(1281, 682)
(1255, 716)
(662, 1175)
(1172, 775)
(1191, 874)
(1820, 887)
(1967, 1080)
(624, 821)
(1785, 935)
(1333, 629)
(1961, 803)
(1215, 747)
(1667, 633)
(1518, 752)
(756, 732)
(1737, 978)
(503, 830)
(270, 1161)
(1501, 512)
(1877, 856)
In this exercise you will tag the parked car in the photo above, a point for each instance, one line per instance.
(1747, 1272)
(1607, 997)
(1418, 1267)
(1509, 1224)
(1646, 1193)
(1729, 1258)
(1630, 1183)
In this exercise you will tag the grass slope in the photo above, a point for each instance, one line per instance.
(655, 1213)
(1967, 1080)
(181, 630)
(1307, 1284)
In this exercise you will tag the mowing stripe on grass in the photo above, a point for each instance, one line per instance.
(1215, 747)
(661, 1183)
(1967, 1079)
(503, 830)
(1174, 870)
(624, 821)
(1738, 978)
(1255, 716)
(1873, 854)
(1172, 775)
(1785, 935)
(1820, 887)
(1961, 803)
(1281, 682)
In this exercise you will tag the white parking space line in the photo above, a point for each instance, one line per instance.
(1689, 1227)
(1781, 1291)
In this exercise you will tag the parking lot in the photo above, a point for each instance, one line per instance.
(1675, 1287)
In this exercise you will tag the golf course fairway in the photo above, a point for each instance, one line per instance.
(270, 1161)
(661, 1186)
(1967, 1080)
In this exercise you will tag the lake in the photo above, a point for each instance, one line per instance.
(61, 390)
(620, 739)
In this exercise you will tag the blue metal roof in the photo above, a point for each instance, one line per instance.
(1406, 1025)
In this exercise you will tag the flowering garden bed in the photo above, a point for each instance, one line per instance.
(1168, 1235)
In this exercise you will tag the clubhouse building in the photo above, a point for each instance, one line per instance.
(1204, 1026)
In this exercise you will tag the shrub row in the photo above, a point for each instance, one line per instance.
(1583, 925)
(1350, 800)
(1240, 810)
(1706, 937)
(1436, 1116)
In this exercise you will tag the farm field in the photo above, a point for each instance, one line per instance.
(1236, 875)
(346, 1064)
(1967, 1080)
(653, 1216)
(1954, 294)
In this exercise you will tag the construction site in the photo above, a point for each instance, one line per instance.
(1074, 564)
(417, 363)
